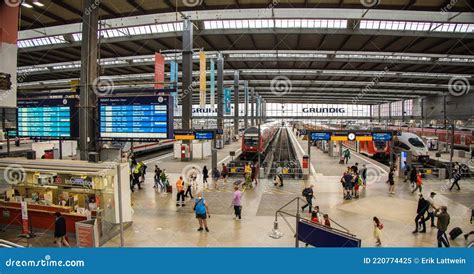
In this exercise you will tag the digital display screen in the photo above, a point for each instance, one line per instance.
(320, 136)
(144, 118)
(204, 135)
(382, 136)
(48, 118)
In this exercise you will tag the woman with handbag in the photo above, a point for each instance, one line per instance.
(236, 203)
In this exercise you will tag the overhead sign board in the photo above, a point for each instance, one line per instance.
(204, 134)
(183, 134)
(345, 135)
(48, 118)
(144, 118)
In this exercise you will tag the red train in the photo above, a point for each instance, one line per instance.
(250, 138)
(374, 149)
(463, 139)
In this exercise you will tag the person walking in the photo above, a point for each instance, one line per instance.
(236, 202)
(254, 173)
(347, 155)
(60, 230)
(363, 174)
(419, 183)
(432, 208)
(308, 194)
(421, 210)
(188, 187)
(157, 178)
(413, 173)
(442, 225)
(457, 174)
(378, 226)
(164, 180)
(201, 210)
(224, 173)
(193, 174)
(180, 191)
(406, 172)
(391, 183)
(205, 176)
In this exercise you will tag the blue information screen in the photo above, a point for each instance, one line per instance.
(135, 118)
(204, 135)
(320, 136)
(382, 136)
(48, 119)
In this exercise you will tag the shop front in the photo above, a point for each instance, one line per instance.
(79, 190)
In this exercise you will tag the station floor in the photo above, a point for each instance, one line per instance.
(157, 222)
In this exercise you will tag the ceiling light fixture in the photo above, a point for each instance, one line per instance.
(38, 3)
(26, 5)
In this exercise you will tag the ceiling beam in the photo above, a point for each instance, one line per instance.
(63, 4)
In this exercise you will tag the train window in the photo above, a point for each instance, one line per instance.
(416, 142)
(251, 142)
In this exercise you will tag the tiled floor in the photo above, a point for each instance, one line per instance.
(157, 222)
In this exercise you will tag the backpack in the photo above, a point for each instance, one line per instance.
(305, 192)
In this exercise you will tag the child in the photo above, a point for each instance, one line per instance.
(378, 226)
(326, 220)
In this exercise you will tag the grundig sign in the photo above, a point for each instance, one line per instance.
(324, 110)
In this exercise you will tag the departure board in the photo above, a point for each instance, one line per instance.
(48, 118)
(144, 118)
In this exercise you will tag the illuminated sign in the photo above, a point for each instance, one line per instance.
(144, 118)
(48, 118)
(183, 134)
(204, 134)
(360, 136)
(320, 136)
(324, 110)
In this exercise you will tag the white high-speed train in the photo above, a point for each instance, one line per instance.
(411, 142)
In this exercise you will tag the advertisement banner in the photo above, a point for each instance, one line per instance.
(202, 79)
(213, 86)
(174, 81)
(159, 70)
(227, 100)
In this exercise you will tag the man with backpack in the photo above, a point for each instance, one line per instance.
(423, 206)
(308, 194)
(347, 155)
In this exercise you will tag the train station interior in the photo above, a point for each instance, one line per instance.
(236, 123)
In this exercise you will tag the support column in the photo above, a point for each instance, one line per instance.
(371, 113)
(220, 98)
(187, 82)
(246, 103)
(88, 97)
(9, 15)
(403, 111)
(236, 103)
(252, 107)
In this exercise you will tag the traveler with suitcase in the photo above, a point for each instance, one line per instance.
(442, 225)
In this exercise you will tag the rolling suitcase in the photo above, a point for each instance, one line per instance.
(341, 160)
(169, 189)
(453, 234)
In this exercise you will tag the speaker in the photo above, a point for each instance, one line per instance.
(31, 155)
(93, 157)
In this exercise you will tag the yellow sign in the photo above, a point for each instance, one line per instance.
(202, 79)
(184, 137)
(74, 85)
(338, 138)
(233, 170)
(364, 138)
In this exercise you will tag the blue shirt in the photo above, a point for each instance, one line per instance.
(200, 206)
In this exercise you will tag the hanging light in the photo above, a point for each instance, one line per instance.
(38, 3)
